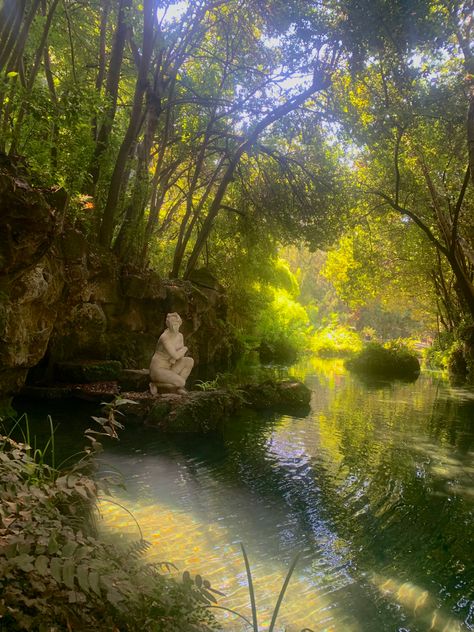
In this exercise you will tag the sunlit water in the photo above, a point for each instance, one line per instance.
(374, 489)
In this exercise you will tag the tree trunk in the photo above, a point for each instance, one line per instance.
(32, 76)
(464, 286)
(13, 62)
(101, 58)
(12, 13)
(108, 219)
(111, 91)
(272, 117)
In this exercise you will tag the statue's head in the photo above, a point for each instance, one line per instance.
(173, 319)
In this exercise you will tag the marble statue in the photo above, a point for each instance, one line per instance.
(169, 366)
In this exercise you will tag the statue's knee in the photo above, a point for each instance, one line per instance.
(189, 362)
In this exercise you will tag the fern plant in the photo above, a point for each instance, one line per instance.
(57, 574)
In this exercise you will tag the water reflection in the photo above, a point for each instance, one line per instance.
(374, 487)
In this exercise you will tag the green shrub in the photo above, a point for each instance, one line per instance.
(392, 360)
(437, 356)
(282, 328)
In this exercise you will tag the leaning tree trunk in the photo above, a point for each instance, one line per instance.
(285, 108)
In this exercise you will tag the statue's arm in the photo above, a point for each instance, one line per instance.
(171, 349)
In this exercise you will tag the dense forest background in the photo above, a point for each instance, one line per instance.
(316, 157)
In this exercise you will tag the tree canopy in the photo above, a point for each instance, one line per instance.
(212, 132)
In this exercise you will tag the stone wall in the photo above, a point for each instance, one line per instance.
(62, 298)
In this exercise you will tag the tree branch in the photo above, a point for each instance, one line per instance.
(404, 211)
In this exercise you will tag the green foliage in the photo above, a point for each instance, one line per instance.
(283, 327)
(335, 341)
(207, 385)
(392, 360)
(55, 572)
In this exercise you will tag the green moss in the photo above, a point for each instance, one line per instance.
(158, 412)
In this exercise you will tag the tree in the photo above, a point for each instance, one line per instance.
(404, 110)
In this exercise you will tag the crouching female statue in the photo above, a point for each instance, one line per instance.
(169, 366)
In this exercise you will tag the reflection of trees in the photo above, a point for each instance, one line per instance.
(386, 498)
(361, 491)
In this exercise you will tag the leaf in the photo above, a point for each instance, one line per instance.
(12, 74)
(24, 561)
(68, 573)
(94, 582)
(122, 400)
(55, 568)
(198, 581)
(69, 548)
(209, 596)
(114, 596)
(41, 564)
(82, 577)
(53, 546)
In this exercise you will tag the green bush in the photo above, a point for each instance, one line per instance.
(282, 328)
(437, 356)
(56, 574)
(392, 360)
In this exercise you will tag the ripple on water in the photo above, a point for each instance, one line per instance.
(374, 489)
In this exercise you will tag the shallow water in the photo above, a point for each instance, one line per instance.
(374, 489)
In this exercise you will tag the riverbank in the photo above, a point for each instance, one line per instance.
(194, 412)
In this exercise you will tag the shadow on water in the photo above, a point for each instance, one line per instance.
(375, 487)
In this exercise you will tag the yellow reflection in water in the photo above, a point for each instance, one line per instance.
(419, 602)
(199, 547)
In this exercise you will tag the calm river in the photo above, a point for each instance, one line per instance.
(374, 488)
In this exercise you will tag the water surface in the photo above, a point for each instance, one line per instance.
(374, 489)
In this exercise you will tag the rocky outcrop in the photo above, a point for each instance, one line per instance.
(196, 412)
(205, 412)
(63, 299)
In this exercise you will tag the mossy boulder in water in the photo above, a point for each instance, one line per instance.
(393, 362)
(283, 394)
(204, 412)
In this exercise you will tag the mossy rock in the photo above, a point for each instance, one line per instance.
(282, 395)
(87, 371)
(194, 412)
(202, 412)
(205, 278)
(377, 361)
(134, 379)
